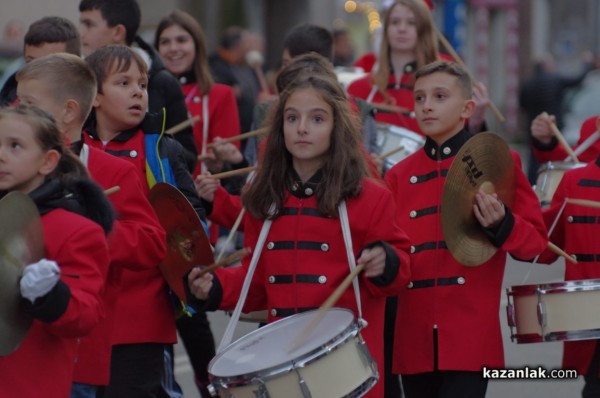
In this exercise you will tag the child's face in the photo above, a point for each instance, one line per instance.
(124, 99)
(176, 47)
(402, 29)
(307, 128)
(37, 92)
(95, 32)
(440, 106)
(23, 164)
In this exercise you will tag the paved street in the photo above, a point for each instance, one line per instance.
(547, 355)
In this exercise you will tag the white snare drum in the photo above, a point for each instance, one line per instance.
(333, 362)
(554, 311)
(347, 74)
(549, 176)
(390, 137)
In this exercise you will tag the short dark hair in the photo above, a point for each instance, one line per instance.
(117, 12)
(307, 38)
(54, 30)
(463, 79)
(114, 57)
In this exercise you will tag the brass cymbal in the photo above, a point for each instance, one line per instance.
(485, 163)
(21, 243)
(187, 243)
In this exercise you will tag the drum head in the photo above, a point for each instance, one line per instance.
(268, 347)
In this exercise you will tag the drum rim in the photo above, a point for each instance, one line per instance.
(551, 165)
(555, 287)
(571, 335)
(336, 341)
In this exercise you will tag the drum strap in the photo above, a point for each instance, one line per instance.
(350, 253)
(235, 316)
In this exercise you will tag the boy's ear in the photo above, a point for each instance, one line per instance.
(51, 159)
(72, 110)
(96, 102)
(120, 34)
(468, 108)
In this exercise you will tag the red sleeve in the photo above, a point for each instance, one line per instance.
(383, 227)
(82, 255)
(528, 237)
(226, 208)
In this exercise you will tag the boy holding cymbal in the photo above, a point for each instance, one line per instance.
(447, 325)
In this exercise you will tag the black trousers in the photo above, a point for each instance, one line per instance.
(392, 387)
(591, 389)
(135, 371)
(445, 384)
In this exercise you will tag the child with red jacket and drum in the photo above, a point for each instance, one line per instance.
(311, 165)
(575, 230)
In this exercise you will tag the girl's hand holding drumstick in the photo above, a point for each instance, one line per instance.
(206, 186)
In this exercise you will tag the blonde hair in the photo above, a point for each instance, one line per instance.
(67, 77)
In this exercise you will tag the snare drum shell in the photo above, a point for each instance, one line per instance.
(549, 176)
(568, 309)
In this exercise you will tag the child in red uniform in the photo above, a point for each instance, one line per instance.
(180, 42)
(311, 164)
(576, 231)
(408, 42)
(120, 126)
(62, 291)
(65, 86)
(447, 324)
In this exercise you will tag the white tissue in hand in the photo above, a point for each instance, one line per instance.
(39, 278)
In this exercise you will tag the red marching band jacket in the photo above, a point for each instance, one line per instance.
(577, 231)
(144, 313)
(304, 260)
(136, 243)
(46, 358)
(223, 119)
(401, 93)
(461, 303)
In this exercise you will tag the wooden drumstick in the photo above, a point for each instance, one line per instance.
(584, 202)
(561, 139)
(327, 304)
(112, 190)
(232, 232)
(236, 255)
(178, 127)
(560, 252)
(233, 173)
(459, 61)
(240, 137)
(390, 152)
